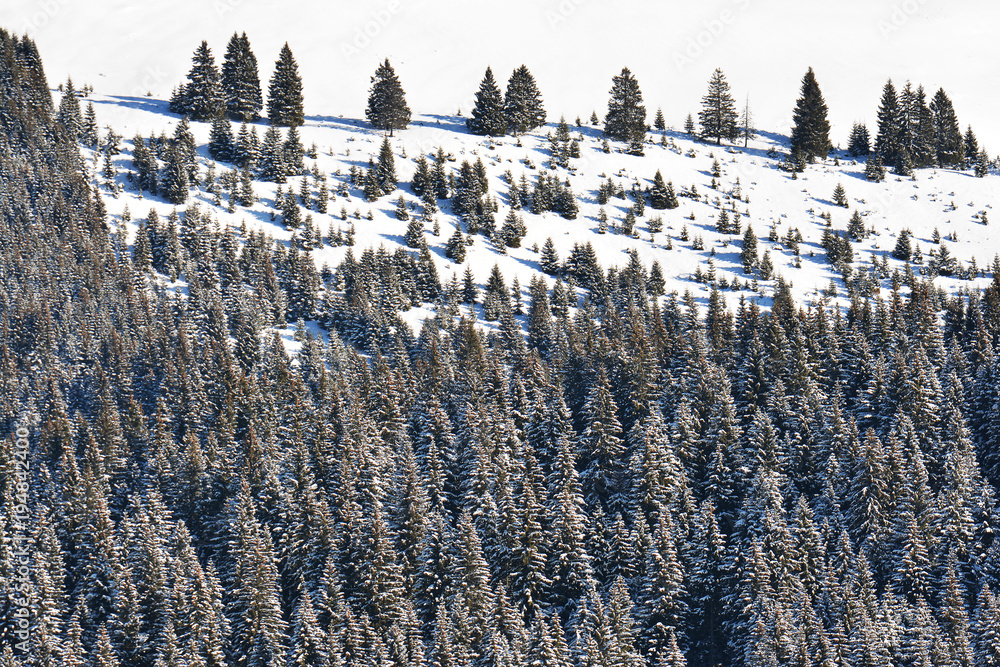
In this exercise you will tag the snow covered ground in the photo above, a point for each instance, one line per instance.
(921, 205)
(134, 53)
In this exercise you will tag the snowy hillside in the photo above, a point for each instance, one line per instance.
(774, 197)
(440, 63)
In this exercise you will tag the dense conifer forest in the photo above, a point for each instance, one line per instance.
(628, 480)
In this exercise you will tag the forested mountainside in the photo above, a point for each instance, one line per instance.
(632, 482)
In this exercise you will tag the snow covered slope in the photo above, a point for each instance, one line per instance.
(126, 49)
(775, 198)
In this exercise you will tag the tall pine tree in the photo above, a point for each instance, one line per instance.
(948, 145)
(387, 109)
(718, 110)
(203, 91)
(811, 129)
(284, 94)
(523, 103)
(626, 117)
(888, 142)
(241, 81)
(488, 114)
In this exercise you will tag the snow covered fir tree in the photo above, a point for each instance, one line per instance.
(407, 388)
(387, 109)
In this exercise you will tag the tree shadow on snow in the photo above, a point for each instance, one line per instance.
(448, 121)
(532, 264)
(352, 124)
(150, 104)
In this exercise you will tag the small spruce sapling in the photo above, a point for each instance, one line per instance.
(401, 211)
(856, 227)
(840, 196)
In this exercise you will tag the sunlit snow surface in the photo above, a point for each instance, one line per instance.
(441, 49)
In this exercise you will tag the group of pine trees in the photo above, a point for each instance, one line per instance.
(274, 158)
(637, 481)
(913, 133)
(235, 91)
(518, 111)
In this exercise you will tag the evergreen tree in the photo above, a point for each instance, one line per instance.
(258, 630)
(146, 167)
(559, 145)
(718, 113)
(241, 81)
(523, 107)
(971, 144)
(293, 153)
(874, 169)
(513, 230)
(221, 143)
(291, 214)
(496, 298)
(89, 133)
(922, 140)
(174, 184)
(987, 624)
(488, 113)
(387, 109)
(904, 164)
(859, 143)
(903, 251)
(840, 196)
(183, 144)
(284, 93)
(621, 649)
(888, 143)
(455, 248)
(626, 117)
(603, 450)
(748, 253)
(810, 129)
(401, 211)
(385, 169)
(527, 580)
(856, 227)
(309, 643)
(203, 99)
(982, 164)
(722, 222)
(422, 181)
(414, 236)
(671, 196)
(948, 142)
(658, 193)
(663, 596)
(246, 148)
(689, 127)
(550, 258)
(69, 115)
(271, 164)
